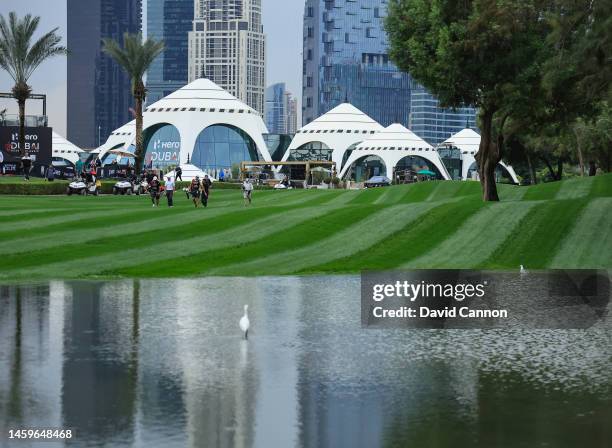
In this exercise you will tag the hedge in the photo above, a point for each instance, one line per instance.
(58, 187)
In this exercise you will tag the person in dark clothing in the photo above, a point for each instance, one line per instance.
(194, 190)
(50, 173)
(150, 176)
(26, 164)
(178, 174)
(206, 183)
(155, 191)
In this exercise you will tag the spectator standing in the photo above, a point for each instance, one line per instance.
(170, 191)
(206, 183)
(50, 173)
(179, 173)
(247, 191)
(221, 175)
(26, 164)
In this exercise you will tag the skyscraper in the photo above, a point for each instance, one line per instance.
(227, 46)
(433, 123)
(170, 21)
(346, 60)
(292, 114)
(99, 91)
(280, 110)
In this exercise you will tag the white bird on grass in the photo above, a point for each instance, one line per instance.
(245, 323)
(523, 270)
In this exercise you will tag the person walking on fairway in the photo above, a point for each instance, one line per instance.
(170, 191)
(26, 164)
(194, 190)
(247, 191)
(206, 183)
(155, 190)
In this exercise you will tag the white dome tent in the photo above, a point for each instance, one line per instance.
(335, 132)
(199, 124)
(63, 149)
(467, 141)
(391, 146)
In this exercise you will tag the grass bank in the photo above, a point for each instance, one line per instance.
(427, 225)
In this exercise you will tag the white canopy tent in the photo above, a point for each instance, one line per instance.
(392, 145)
(467, 141)
(338, 130)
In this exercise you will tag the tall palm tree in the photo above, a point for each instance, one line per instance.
(135, 57)
(20, 59)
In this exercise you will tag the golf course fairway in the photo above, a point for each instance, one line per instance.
(427, 225)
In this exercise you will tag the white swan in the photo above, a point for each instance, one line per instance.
(245, 323)
(523, 270)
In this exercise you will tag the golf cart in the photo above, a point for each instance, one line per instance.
(84, 186)
(141, 186)
(123, 187)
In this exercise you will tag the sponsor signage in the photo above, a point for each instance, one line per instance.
(163, 153)
(38, 144)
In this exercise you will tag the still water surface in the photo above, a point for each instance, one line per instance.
(161, 363)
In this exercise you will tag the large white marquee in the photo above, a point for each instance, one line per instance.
(392, 146)
(467, 141)
(336, 132)
(200, 124)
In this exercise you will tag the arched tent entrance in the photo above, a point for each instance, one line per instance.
(502, 174)
(311, 151)
(162, 144)
(222, 147)
(365, 167)
(348, 153)
(414, 164)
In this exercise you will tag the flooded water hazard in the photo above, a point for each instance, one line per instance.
(163, 363)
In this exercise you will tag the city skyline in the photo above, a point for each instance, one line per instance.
(99, 97)
(284, 49)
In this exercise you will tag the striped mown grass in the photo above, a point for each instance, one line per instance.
(426, 225)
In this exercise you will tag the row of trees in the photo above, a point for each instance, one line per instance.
(20, 57)
(539, 72)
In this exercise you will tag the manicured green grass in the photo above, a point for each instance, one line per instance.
(426, 225)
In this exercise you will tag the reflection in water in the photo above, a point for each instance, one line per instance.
(162, 364)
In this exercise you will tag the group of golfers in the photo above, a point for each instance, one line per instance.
(198, 190)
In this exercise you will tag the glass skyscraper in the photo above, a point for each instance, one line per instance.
(170, 21)
(99, 92)
(433, 123)
(280, 112)
(345, 60)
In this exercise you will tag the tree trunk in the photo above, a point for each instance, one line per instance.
(560, 169)
(580, 155)
(21, 92)
(139, 96)
(21, 103)
(550, 168)
(532, 172)
(487, 158)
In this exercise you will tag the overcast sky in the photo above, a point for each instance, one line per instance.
(282, 25)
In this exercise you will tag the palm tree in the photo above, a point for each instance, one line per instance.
(20, 59)
(135, 57)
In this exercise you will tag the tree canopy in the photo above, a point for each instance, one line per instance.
(530, 66)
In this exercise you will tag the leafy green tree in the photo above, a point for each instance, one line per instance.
(20, 58)
(135, 57)
(476, 52)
